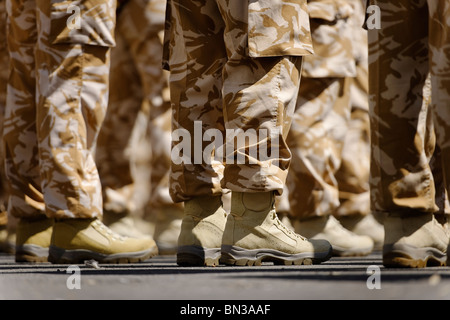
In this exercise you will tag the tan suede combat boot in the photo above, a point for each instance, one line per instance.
(167, 228)
(77, 240)
(3, 231)
(201, 232)
(3, 238)
(345, 243)
(123, 224)
(414, 241)
(254, 234)
(33, 238)
(365, 226)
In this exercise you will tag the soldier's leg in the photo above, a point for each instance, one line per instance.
(316, 140)
(402, 183)
(4, 73)
(260, 94)
(146, 48)
(71, 105)
(320, 127)
(136, 85)
(144, 37)
(353, 181)
(246, 82)
(197, 57)
(71, 82)
(195, 88)
(25, 200)
(353, 175)
(311, 141)
(439, 41)
(166, 214)
(116, 147)
(22, 163)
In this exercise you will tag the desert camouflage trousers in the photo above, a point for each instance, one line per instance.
(316, 140)
(56, 101)
(4, 58)
(353, 174)
(410, 134)
(333, 180)
(329, 138)
(133, 149)
(235, 68)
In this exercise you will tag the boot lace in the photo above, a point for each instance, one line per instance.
(283, 227)
(104, 229)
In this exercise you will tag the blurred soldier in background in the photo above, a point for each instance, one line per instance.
(56, 101)
(133, 151)
(329, 138)
(413, 40)
(4, 70)
(353, 175)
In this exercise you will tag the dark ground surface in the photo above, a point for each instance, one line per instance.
(161, 279)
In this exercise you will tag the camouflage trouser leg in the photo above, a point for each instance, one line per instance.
(217, 85)
(57, 96)
(160, 139)
(353, 174)
(4, 57)
(4, 71)
(137, 101)
(114, 147)
(316, 140)
(22, 166)
(402, 141)
(439, 41)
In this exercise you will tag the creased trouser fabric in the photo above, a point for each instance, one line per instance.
(133, 164)
(322, 115)
(56, 101)
(4, 73)
(234, 66)
(316, 139)
(353, 174)
(412, 42)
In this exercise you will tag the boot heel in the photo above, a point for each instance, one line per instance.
(195, 256)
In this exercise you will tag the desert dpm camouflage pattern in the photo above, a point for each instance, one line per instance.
(321, 120)
(56, 102)
(4, 57)
(235, 65)
(4, 61)
(353, 174)
(412, 43)
(133, 149)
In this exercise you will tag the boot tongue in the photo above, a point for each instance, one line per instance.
(202, 206)
(261, 201)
